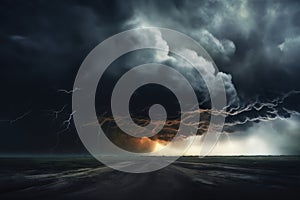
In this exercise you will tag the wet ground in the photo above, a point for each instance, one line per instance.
(188, 178)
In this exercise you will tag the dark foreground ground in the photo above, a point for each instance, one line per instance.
(188, 178)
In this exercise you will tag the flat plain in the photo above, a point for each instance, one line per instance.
(235, 177)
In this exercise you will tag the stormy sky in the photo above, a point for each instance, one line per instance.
(254, 44)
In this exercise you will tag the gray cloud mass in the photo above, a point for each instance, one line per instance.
(255, 45)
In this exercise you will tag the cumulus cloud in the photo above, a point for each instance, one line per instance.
(206, 68)
(222, 48)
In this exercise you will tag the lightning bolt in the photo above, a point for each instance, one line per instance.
(69, 91)
(271, 112)
(65, 123)
(56, 113)
(17, 118)
(263, 111)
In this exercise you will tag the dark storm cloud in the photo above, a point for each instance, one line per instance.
(256, 42)
(255, 45)
(243, 37)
